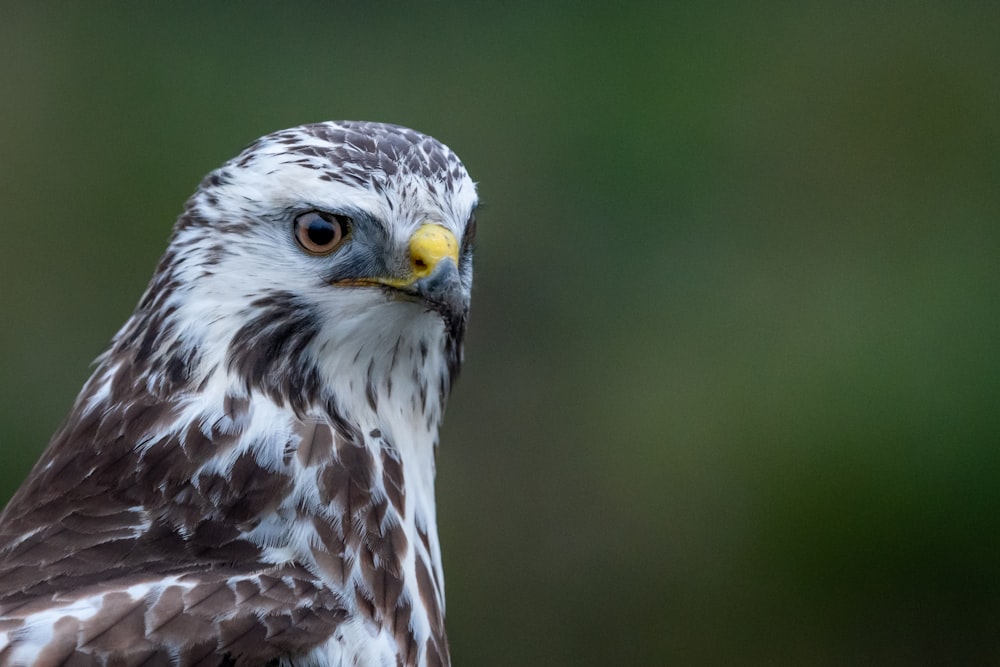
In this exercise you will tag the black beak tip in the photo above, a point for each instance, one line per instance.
(442, 292)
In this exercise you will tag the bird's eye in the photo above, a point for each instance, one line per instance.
(321, 233)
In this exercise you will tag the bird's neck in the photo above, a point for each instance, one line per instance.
(339, 482)
(314, 448)
(354, 419)
(360, 508)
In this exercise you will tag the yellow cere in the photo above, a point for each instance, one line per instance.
(428, 246)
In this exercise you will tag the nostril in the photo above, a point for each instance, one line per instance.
(419, 264)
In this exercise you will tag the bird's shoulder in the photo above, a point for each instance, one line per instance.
(132, 539)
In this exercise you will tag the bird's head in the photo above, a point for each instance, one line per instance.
(319, 247)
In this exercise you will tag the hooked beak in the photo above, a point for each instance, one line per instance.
(432, 275)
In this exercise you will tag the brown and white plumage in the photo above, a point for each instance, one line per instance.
(248, 476)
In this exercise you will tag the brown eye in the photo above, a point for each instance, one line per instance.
(320, 233)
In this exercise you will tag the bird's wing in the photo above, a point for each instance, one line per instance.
(215, 617)
(109, 554)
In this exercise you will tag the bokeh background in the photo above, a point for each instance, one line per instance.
(733, 381)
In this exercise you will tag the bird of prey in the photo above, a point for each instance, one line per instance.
(247, 478)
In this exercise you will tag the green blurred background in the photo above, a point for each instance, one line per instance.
(734, 365)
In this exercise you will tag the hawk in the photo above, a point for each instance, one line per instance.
(247, 478)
